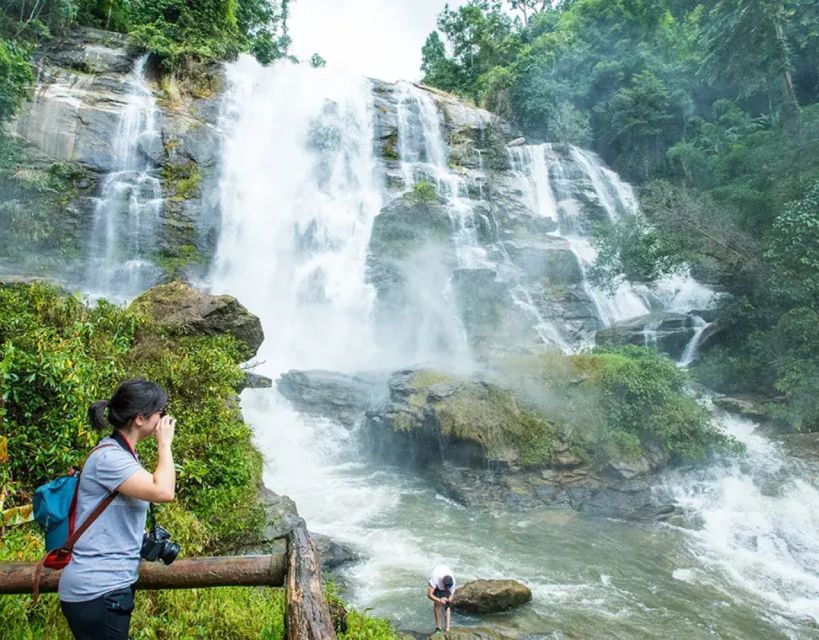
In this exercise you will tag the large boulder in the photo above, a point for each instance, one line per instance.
(339, 396)
(180, 309)
(491, 596)
(432, 417)
(489, 445)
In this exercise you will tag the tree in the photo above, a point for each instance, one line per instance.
(15, 78)
(439, 71)
(642, 118)
(529, 8)
(480, 37)
(747, 43)
(793, 250)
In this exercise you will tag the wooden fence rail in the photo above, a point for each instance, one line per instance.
(307, 615)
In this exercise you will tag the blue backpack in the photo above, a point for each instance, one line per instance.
(54, 505)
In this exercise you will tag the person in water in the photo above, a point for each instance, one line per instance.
(441, 589)
(96, 588)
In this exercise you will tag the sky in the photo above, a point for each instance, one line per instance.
(377, 38)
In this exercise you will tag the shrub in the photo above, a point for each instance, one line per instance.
(424, 192)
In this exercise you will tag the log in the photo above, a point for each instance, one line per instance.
(185, 573)
(307, 613)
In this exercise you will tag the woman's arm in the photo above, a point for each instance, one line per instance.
(159, 486)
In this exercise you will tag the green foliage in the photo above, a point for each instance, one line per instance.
(643, 401)
(15, 78)
(57, 357)
(620, 402)
(181, 32)
(178, 32)
(480, 34)
(424, 192)
(29, 19)
(111, 15)
(793, 250)
(181, 181)
(750, 44)
(361, 627)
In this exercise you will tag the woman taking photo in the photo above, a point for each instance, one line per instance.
(97, 587)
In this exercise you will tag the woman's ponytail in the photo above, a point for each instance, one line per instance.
(96, 414)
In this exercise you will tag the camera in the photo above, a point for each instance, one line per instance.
(157, 545)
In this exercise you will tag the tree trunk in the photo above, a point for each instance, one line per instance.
(790, 106)
(308, 616)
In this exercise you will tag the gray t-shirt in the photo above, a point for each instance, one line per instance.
(106, 557)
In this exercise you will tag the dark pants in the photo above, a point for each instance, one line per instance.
(105, 618)
(442, 593)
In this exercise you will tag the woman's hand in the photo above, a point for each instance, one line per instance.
(164, 432)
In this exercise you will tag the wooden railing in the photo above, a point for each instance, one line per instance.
(307, 615)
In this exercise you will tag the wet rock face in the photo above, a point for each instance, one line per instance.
(491, 596)
(669, 333)
(519, 282)
(409, 252)
(68, 127)
(341, 397)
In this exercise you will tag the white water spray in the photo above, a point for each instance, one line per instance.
(758, 518)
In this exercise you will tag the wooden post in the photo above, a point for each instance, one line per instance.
(307, 614)
(185, 573)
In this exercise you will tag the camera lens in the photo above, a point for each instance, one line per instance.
(169, 552)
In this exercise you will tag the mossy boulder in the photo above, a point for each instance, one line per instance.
(433, 416)
(181, 309)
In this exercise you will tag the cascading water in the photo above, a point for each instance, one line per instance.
(424, 157)
(533, 165)
(299, 192)
(757, 520)
(128, 207)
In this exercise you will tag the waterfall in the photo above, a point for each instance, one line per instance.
(298, 195)
(535, 166)
(424, 157)
(127, 210)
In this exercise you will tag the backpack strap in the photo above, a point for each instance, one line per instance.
(74, 535)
